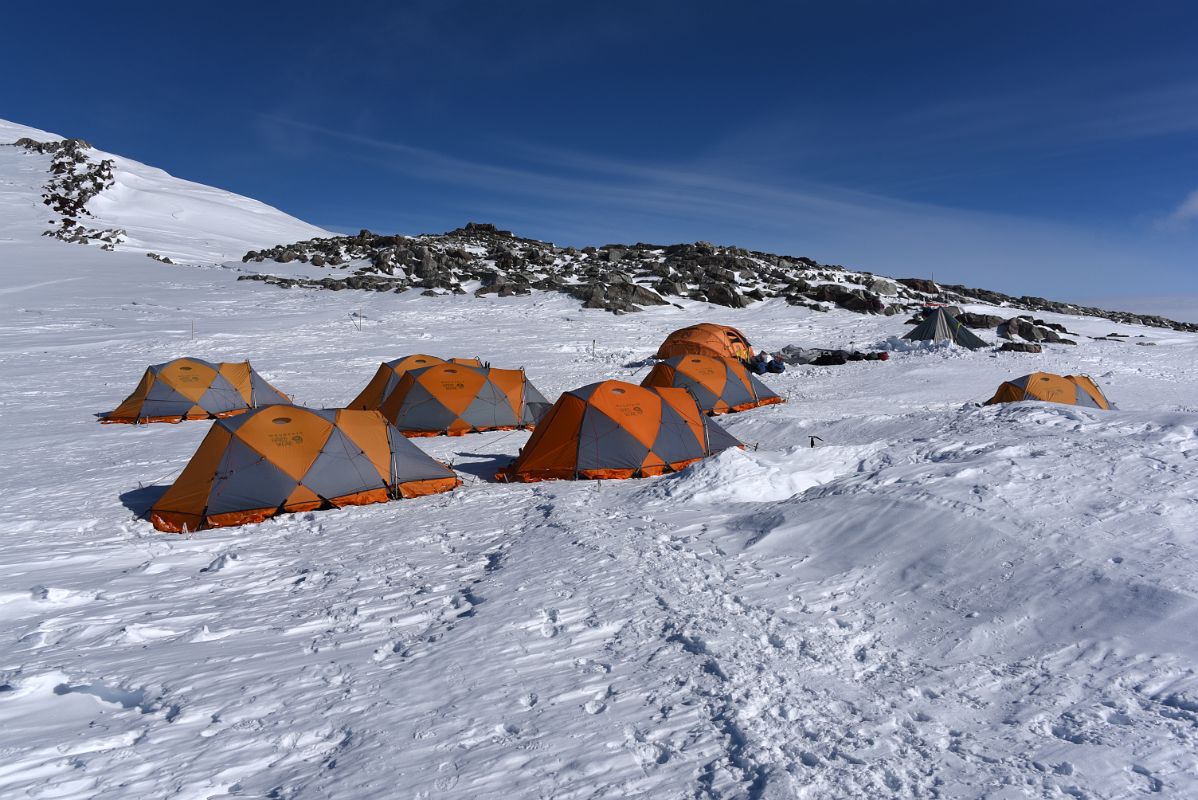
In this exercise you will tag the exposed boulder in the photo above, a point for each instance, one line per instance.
(979, 321)
(724, 294)
(884, 287)
(1020, 347)
(857, 300)
(920, 285)
(1024, 328)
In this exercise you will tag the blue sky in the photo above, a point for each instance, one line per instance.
(1045, 148)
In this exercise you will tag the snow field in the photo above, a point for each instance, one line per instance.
(938, 600)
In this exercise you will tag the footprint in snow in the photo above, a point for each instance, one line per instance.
(549, 627)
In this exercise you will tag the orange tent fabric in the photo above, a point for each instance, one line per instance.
(280, 459)
(720, 385)
(191, 388)
(386, 378)
(706, 339)
(1074, 390)
(614, 429)
(454, 399)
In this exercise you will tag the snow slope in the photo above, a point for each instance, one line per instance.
(938, 600)
(181, 220)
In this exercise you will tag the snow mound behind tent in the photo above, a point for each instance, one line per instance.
(744, 476)
(898, 344)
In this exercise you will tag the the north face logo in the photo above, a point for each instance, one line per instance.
(286, 439)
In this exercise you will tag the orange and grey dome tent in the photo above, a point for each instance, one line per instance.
(720, 385)
(191, 388)
(1074, 390)
(454, 399)
(706, 339)
(614, 429)
(386, 378)
(280, 459)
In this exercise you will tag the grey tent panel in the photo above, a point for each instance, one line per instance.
(246, 480)
(718, 439)
(1084, 399)
(329, 415)
(410, 463)
(706, 398)
(341, 468)
(156, 368)
(675, 439)
(604, 444)
(941, 326)
(585, 392)
(221, 396)
(392, 381)
(735, 392)
(760, 390)
(163, 401)
(1021, 382)
(263, 394)
(490, 408)
(535, 405)
(422, 412)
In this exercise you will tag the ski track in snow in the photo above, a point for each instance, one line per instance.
(941, 600)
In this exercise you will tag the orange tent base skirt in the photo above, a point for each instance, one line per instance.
(171, 420)
(768, 401)
(173, 522)
(565, 474)
(464, 431)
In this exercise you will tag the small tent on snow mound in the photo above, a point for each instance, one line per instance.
(282, 459)
(1074, 390)
(941, 326)
(454, 399)
(191, 388)
(720, 385)
(614, 429)
(706, 339)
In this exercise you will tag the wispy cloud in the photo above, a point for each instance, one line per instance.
(1184, 216)
(584, 198)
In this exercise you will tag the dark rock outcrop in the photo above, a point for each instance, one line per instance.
(74, 180)
(979, 321)
(487, 260)
(920, 285)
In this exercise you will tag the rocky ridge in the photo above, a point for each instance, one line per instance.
(74, 180)
(482, 259)
(621, 278)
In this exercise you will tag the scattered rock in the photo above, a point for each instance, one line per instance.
(884, 287)
(1020, 347)
(979, 321)
(920, 285)
(619, 278)
(75, 180)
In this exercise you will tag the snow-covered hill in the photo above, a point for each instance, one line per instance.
(156, 213)
(938, 600)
